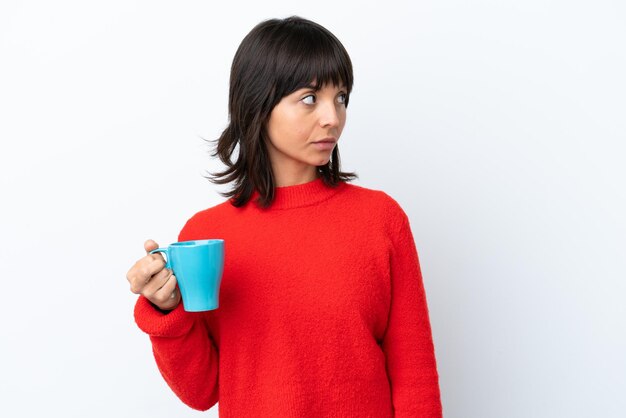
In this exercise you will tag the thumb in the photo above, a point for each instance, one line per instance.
(150, 245)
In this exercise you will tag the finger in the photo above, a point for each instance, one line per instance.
(152, 265)
(156, 256)
(168, 296)
(157, 282)
(150, 245)
(168, 290)
(135, 280)
(143, 271)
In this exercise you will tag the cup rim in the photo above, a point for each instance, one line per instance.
(198, 242)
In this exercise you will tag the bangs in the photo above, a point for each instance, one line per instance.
(311, 56)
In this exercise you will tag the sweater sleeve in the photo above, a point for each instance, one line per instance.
(408, 343)
(184, 351)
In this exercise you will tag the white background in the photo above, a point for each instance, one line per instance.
(499, 126)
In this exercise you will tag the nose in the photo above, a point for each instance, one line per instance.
(329, 115)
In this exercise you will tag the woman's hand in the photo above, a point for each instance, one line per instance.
(150, 278)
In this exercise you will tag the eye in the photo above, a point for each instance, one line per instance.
(310, 96)
(343, 97)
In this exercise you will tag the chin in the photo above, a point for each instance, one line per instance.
(322, 162)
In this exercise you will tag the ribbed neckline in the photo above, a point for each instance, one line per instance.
(299, 195)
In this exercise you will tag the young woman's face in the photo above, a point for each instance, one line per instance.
(297, 124)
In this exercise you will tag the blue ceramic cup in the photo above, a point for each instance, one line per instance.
(198, 267)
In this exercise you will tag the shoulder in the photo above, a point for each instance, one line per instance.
(206, 221)
(377, 203)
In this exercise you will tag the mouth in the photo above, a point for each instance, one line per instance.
(324, 144)
(329, 140)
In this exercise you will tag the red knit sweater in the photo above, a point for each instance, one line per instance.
(322, 312)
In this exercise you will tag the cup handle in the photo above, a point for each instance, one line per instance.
(167, 256)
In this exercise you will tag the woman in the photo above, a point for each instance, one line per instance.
(322, 307)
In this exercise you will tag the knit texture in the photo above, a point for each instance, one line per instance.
(322, 312)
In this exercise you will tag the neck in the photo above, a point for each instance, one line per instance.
(292, 176)
(300, 195)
